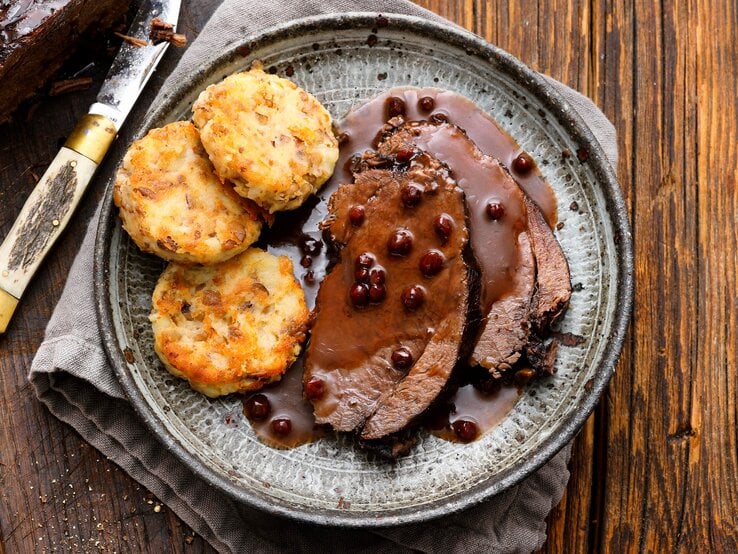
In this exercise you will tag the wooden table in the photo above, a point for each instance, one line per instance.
(655, 468)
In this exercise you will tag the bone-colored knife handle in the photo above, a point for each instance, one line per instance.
(49, 208)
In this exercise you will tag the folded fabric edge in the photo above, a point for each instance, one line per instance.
(76, 356)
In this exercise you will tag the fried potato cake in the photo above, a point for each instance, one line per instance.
(231, 327)
(174, 205)
(272, 139)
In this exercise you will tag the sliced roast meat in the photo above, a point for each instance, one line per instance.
(553, 286)
(498, 222)
(391, 313)
(553, 291)
(505, 330)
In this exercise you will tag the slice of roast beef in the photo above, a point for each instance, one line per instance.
(390, 315)
(505, 329)
(498, 222)
(553, 282)
(552, 294)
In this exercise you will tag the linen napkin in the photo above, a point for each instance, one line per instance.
(72, 377)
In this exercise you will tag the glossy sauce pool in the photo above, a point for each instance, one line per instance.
(297, 235)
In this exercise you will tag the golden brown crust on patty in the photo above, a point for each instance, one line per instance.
(272, 139)
(231, 327)
(174, 205)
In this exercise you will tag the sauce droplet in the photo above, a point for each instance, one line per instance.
(523, 376)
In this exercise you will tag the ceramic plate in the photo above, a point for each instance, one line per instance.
(332, 481)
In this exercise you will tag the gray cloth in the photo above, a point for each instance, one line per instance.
(72, 376)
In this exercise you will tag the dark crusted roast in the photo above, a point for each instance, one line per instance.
(391, 314)
(525, 284)
(37, 36)
(552, 293)
(499, 237)
(553, 282)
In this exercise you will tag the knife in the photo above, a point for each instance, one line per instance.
(52, 202)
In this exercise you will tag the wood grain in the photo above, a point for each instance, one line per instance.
(655, 469)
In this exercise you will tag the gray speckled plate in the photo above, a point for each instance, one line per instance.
(332, 481)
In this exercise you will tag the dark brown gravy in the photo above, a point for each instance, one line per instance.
(483, 409)
(286, 400)
(362, 123)
(352, 342)
(297, 235)
(484, 182)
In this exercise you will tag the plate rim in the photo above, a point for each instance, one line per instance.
(534, 83)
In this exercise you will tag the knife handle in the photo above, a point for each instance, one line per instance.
(49, 208)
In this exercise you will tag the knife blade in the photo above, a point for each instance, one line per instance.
(50, 205)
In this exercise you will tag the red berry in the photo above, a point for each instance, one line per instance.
(281, 426)
(362, 275)
(258, 407)
(413, 297)
(400, 242)
(364, 260)
(466, 430)
(443, 226)
(359, 294)
(404, 155)
(426, 104)
(395, 106)
(402, 358)
(431, 263)
(311, 246)
(356, 215)
(523, 163)
(377, 293)
(495, 210)
(377, 277)
(439, 118)
(411, 195)
(315, 388)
